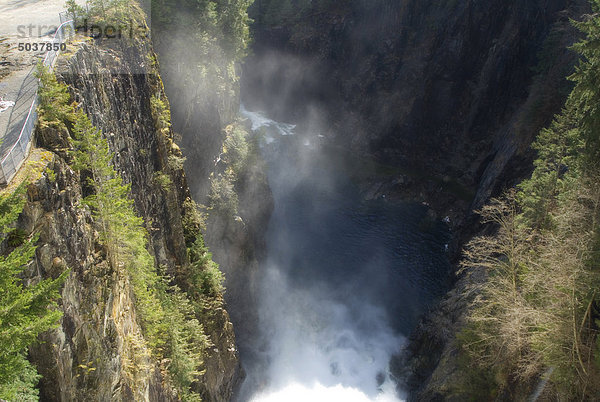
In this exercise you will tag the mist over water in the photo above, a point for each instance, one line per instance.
(344, 281)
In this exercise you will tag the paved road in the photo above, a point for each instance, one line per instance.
(17, 15)
(22, 21)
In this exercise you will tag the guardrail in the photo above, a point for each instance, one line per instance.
(13, 160)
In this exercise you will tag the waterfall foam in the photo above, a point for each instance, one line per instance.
(319, 393)
(343, 279)
(320, 345)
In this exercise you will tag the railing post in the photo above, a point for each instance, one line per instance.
(14, 165)
(2, 175)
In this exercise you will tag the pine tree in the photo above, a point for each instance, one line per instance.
(167, 317)
(54, 109)
(557, 150)
(110, 202)
(25, 311)
(586, 94)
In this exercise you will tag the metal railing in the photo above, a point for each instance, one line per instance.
(13, 160)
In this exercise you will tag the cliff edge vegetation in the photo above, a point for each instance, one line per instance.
(200, 46)
(535, 319)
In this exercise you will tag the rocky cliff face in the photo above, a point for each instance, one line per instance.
(239, 245)
(205, 100)
(84, 357)
(457, 89)
(91, 355)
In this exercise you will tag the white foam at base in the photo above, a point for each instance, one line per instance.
(319, 393)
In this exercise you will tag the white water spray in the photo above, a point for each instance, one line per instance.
(319, 343)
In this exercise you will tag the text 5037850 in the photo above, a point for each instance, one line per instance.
(42, 46)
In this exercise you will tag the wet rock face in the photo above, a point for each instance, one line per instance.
(456, 88)
(83, 358)
(238, 245)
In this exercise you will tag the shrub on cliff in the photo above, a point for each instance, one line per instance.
(205, 278)
(54, 109)
(103, 12)
(238, 155)
(223, 198)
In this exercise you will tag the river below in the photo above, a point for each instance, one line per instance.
(344, 282)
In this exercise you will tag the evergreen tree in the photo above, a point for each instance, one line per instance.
(168, 319)
(25, 311)
(557, 148)
(234, 22)
(54, 109)
(586, 94)
(110, 202)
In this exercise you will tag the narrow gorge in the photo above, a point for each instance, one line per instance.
(294, 200)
